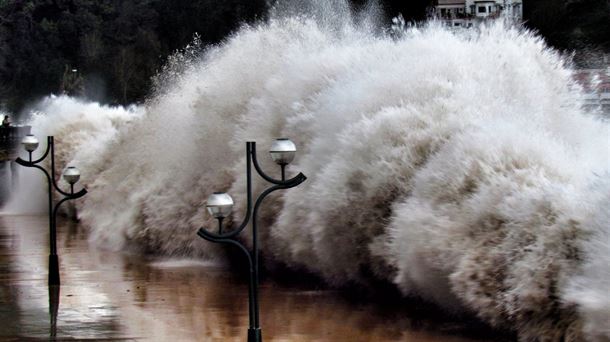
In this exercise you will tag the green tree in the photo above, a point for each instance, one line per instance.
(124, 42)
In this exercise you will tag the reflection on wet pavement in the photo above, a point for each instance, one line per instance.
(113, 296)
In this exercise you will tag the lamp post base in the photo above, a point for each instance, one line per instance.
(254, 335)
(53, 270)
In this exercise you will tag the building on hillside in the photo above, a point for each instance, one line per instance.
(596, 86)
(465, 13)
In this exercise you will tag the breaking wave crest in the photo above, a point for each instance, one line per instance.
(457, 165)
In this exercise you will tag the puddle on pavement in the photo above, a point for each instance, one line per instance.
(110, 295)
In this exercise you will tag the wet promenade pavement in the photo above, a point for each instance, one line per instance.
(111, 296)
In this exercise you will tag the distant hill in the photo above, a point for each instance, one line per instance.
(108, 50)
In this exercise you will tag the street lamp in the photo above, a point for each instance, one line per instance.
(30, 143)
(282, 152)
(70, 175)
(220, 205)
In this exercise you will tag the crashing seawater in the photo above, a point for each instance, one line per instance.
(459, 166)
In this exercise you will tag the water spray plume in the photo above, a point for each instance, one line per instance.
(460, 167)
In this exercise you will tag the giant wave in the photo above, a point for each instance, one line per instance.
(459, 166)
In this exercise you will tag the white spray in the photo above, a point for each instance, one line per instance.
(459, 166)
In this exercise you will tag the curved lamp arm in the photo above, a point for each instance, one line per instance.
(75, 195)
(44, 155)
(246, 219)
(68, 196)
(293, 182)
(51, 177)
(58, 204)
(33, 164)
(204, 234)
(251, 288)
(24, 162)
(251, 159)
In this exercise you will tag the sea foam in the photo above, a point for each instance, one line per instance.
(459, 166)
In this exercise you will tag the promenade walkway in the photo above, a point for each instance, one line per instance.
(112, 296)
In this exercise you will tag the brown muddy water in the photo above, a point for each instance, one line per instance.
(108, 295)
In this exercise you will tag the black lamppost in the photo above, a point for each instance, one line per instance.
(71, 175)
(220, 206)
